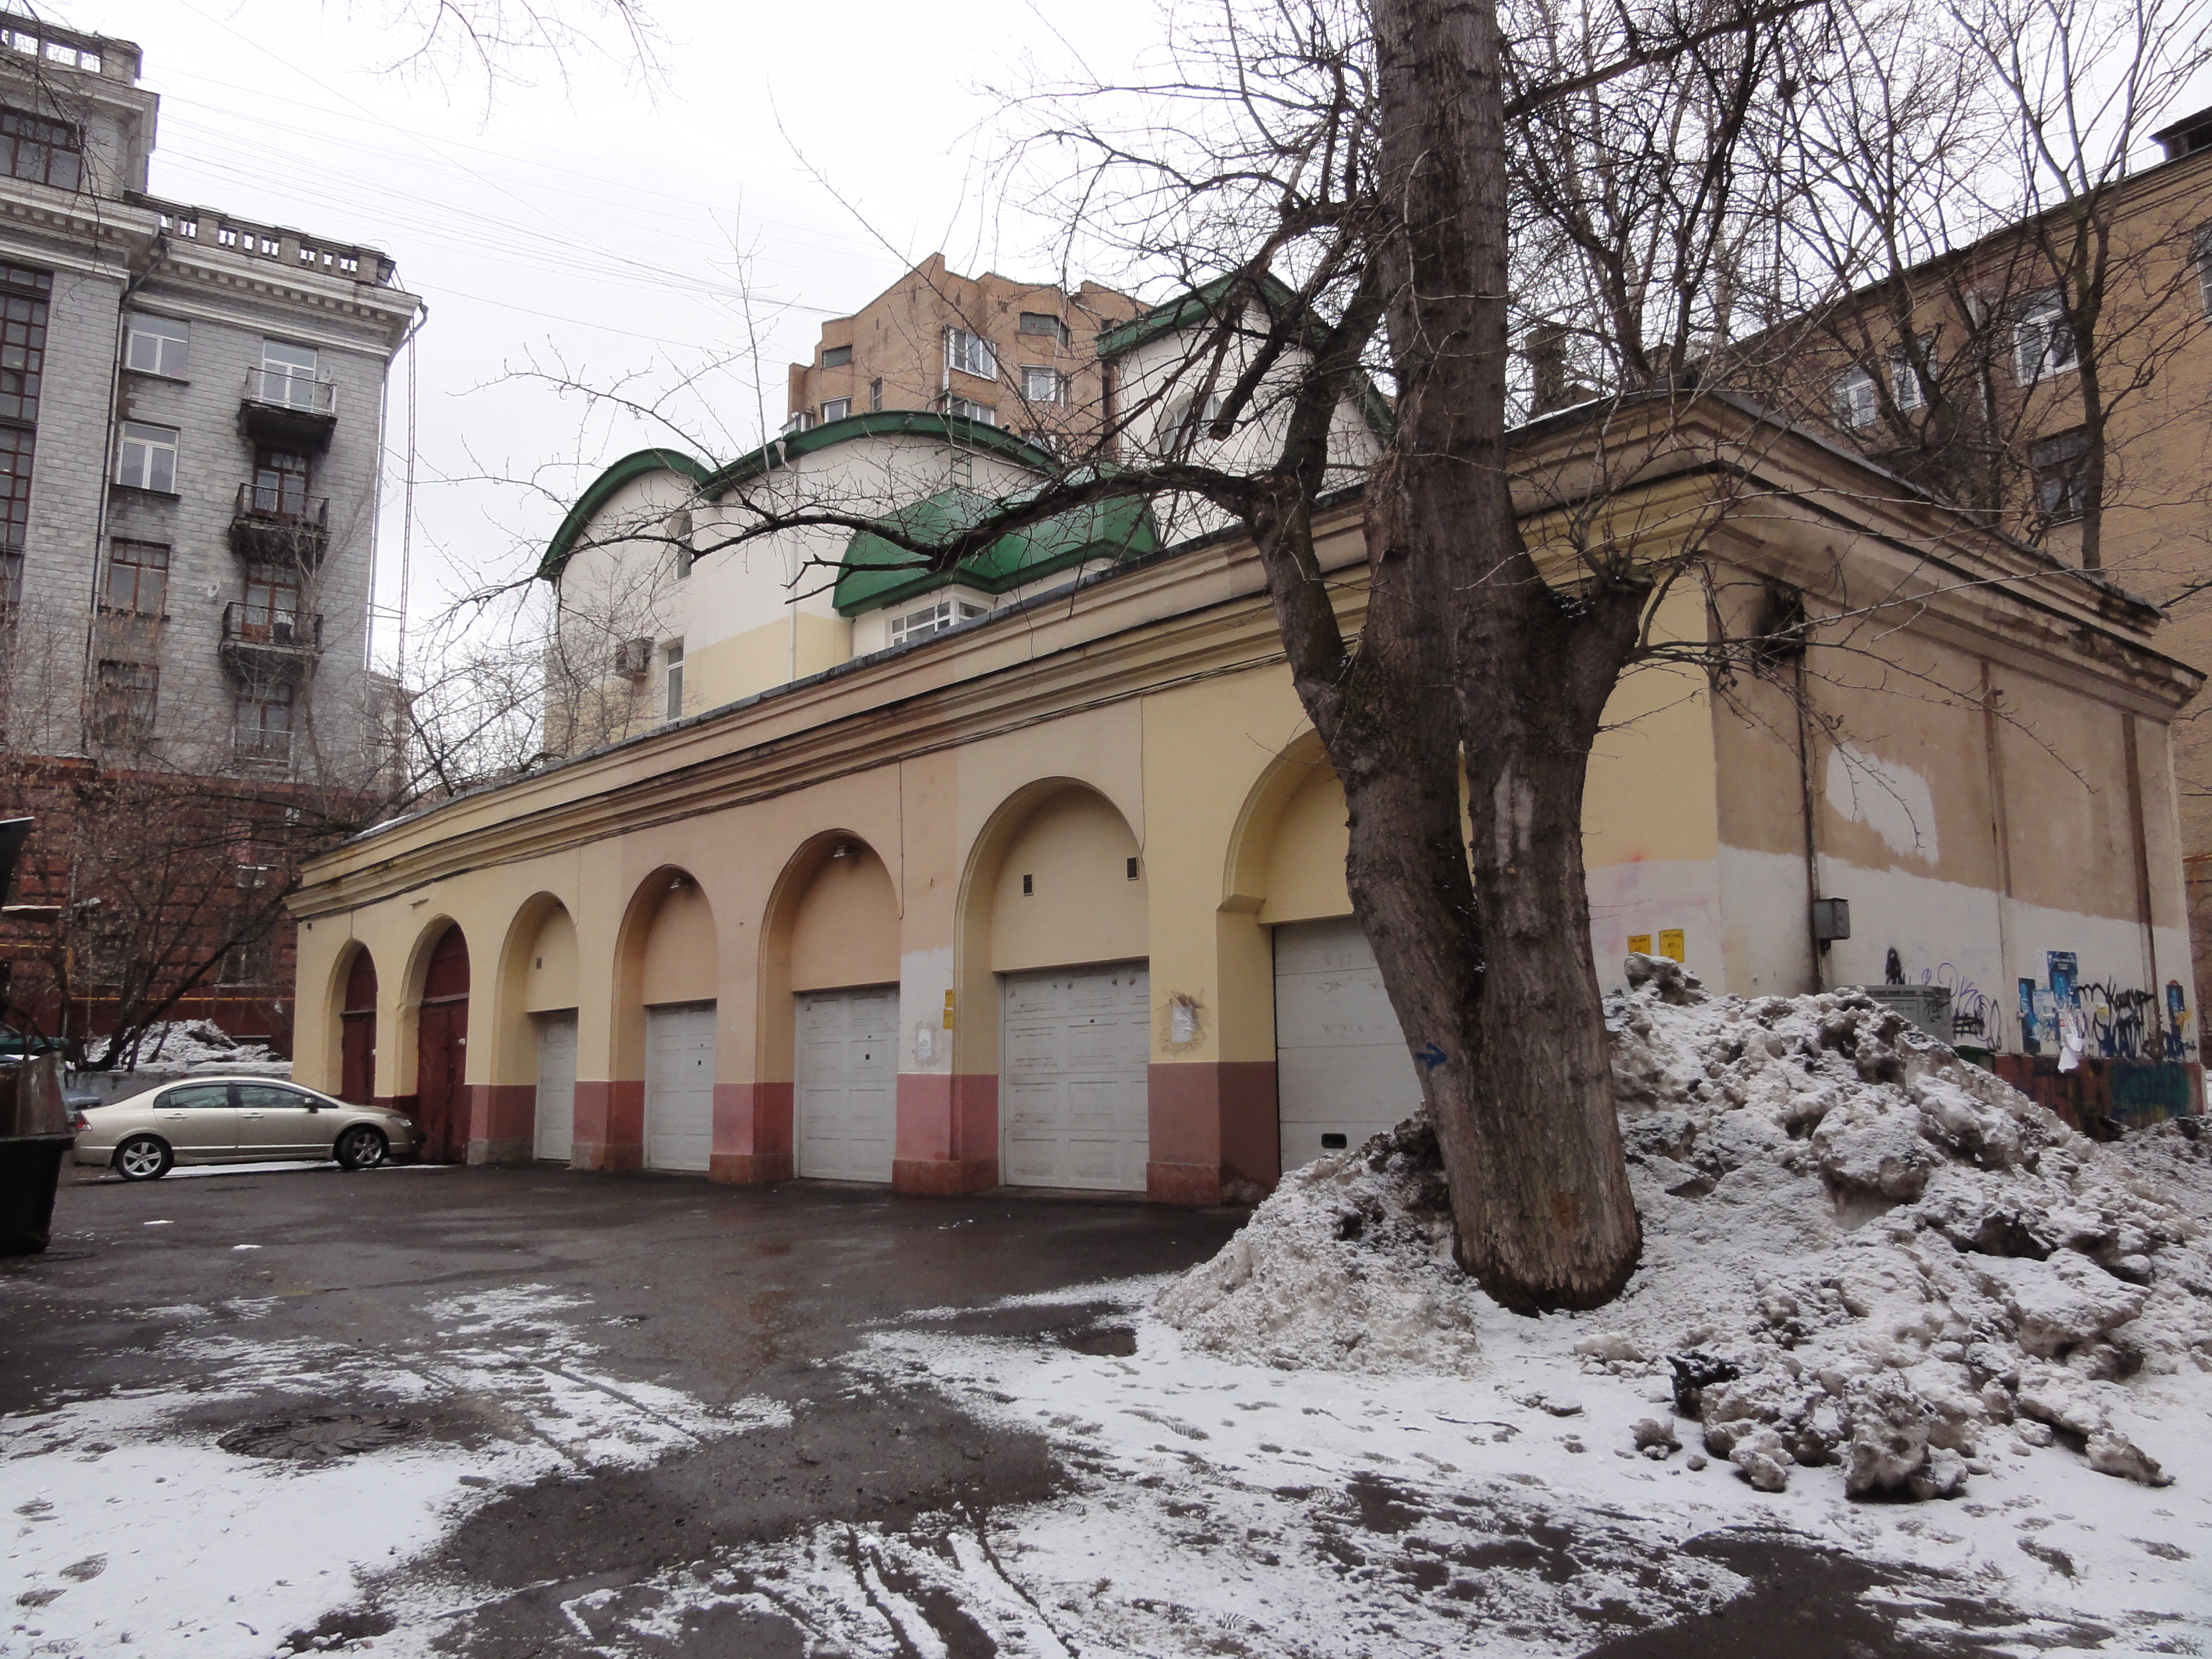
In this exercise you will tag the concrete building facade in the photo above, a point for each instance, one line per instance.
(1977, 337)
(1054, 895)
(192, 493)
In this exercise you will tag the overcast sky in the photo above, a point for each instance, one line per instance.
(610, 225)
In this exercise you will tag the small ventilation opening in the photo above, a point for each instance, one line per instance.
(1334, 1143)
(1029, 886)
(1133, 869)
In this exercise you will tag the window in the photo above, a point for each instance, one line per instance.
(280, 483)
(157, 345)
(1044, 385)
(288, 376)
(2043, 341)
(1855, 405)
(23, 340)
(972, 353)
(836, 356)
(272, 602)
(2204, 268)
(45, 152)
(2060, 465)
(675, 661)
(15, 445)
(11, 582)
(149, 459)
(1187, 419)
(875, 394)
(1044, 322)
(836, 409)
(137, 577)
(800, 421)
(264, 727)
(981, 414)
(933, 619)
(123, 700)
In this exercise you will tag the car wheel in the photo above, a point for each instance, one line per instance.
(144, 1157)
(362, 1148)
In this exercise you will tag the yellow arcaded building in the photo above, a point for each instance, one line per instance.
(1032, 872)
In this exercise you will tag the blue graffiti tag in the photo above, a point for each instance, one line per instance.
(1430, 1057)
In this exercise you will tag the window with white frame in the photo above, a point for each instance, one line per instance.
(157, 345)
(981, 414)
(1905, 380)
(801, 420)
(2204, 268)
(288, 376)
(933, 619)
(1855, 404)
(970, 353)
(672, 659)
(1043, 385)
(836, 410)
(2043, 339)
(147, 457)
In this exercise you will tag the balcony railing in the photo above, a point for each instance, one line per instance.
(288, 408)
(301, 389)
(248, 622)
(211, 233)
(274, 523)
(263, 746)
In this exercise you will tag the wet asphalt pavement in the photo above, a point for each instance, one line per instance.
(727, 1294)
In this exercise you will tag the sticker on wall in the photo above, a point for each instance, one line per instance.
(1670, 943)
(948, 1010)
(2072, 1039)
(1640, 944)
(2031, 1027)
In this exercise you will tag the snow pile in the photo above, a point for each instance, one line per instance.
(201, 1045)
(1348, 1265)
(1859, 1250)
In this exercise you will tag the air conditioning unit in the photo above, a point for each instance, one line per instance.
(634, 659)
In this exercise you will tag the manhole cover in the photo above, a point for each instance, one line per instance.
(317, 1438)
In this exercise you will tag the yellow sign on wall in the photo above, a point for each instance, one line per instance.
(1640, 944)
(948, 1010)
(1670, 942)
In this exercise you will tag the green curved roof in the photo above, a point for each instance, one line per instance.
(602, 491)
(711, 482)
(878, 571)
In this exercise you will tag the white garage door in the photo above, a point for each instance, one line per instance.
(679, 1086)
(1071, 1084)
(848, 1083)
(1341, 1066)
(556, 1085)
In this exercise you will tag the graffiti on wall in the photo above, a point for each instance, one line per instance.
(2073, 1018)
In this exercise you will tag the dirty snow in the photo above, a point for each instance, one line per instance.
(1860, 1250)
(197, 1549)
(1218, 1506)
(201, 1045)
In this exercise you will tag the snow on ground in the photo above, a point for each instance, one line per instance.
(134, 1532)
(1218, 1506)
(200, 1045)
(1860, 1250)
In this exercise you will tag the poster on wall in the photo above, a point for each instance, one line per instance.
(2063, 969)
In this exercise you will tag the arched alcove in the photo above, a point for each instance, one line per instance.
(1053, 987)
(357, 1027)
(440, 1046)
(660, 1111)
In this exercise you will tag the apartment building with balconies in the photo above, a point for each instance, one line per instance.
(191, 405)
(191, 410)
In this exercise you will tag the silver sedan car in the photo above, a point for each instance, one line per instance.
(236, 1119)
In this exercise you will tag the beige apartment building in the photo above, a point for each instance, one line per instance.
(1020, 357)
(1964, 375)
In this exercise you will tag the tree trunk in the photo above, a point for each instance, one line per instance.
(1467, 657)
